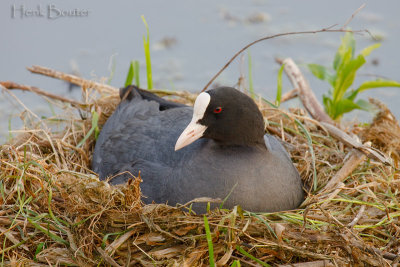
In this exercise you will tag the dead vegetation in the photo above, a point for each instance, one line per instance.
(55, 211)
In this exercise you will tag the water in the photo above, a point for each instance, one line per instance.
(201, 37)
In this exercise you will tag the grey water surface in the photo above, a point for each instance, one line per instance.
(190, 41)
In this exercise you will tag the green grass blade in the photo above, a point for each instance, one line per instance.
(209, 242)
(269, 103)
(53, 112)
(227, 196)
(236, 263)
(2, 191)
(112, 68)
(56, 238)
(346, 76)
(129, 77)
(245, 253)
(106, 236)
(345, 51)
(136, 71)
(264, 222)
(343, 106)
(309, 141)
(376, 84)
(146, 44)
(60, 222)
(95, 128)
(5, 249)
(366, 51)
(39, 248)
(279, 86)
(322, 73)
(365, 105)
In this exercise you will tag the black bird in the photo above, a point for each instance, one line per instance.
(216, 149)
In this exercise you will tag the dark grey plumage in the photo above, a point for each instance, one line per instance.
(141, 135)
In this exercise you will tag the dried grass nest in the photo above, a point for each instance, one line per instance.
(55, 211)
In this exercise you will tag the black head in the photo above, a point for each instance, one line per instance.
(225, 115)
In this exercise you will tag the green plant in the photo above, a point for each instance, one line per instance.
(39, 248)
(129, 76)
(133, 72)
(146, 44)
(134, 67)
(209, 242)
(245, 253)
(236, 263)
(341, 97)
(94, 129)
(112, 67)
(279, 86)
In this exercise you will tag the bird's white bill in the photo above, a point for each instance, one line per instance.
(192, 132)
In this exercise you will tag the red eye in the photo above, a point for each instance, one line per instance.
(217, 110)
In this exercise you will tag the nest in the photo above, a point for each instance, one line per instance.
(55, 211)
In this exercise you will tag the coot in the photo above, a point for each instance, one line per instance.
(217, 149)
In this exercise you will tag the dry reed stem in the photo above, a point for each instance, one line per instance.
(290, 95)
(73, 79)
(306, 95)
(12, 85)
(355, 158)
(350, 141)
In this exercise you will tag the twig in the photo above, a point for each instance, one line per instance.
(154, 226)
(107, 258)
(339, 188)
(295, 250)
(73, 79)
(307, 96)
(355, 158)
(359, 214)
(290, 95)
(12, 85)
(183, 94)
(395, 262)
(201, 200)
(91, 84)
(278, 133)
(144, 252)
(328, 29)
(352, 16)
(119, 241)
(373, 250)
(352, 142)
